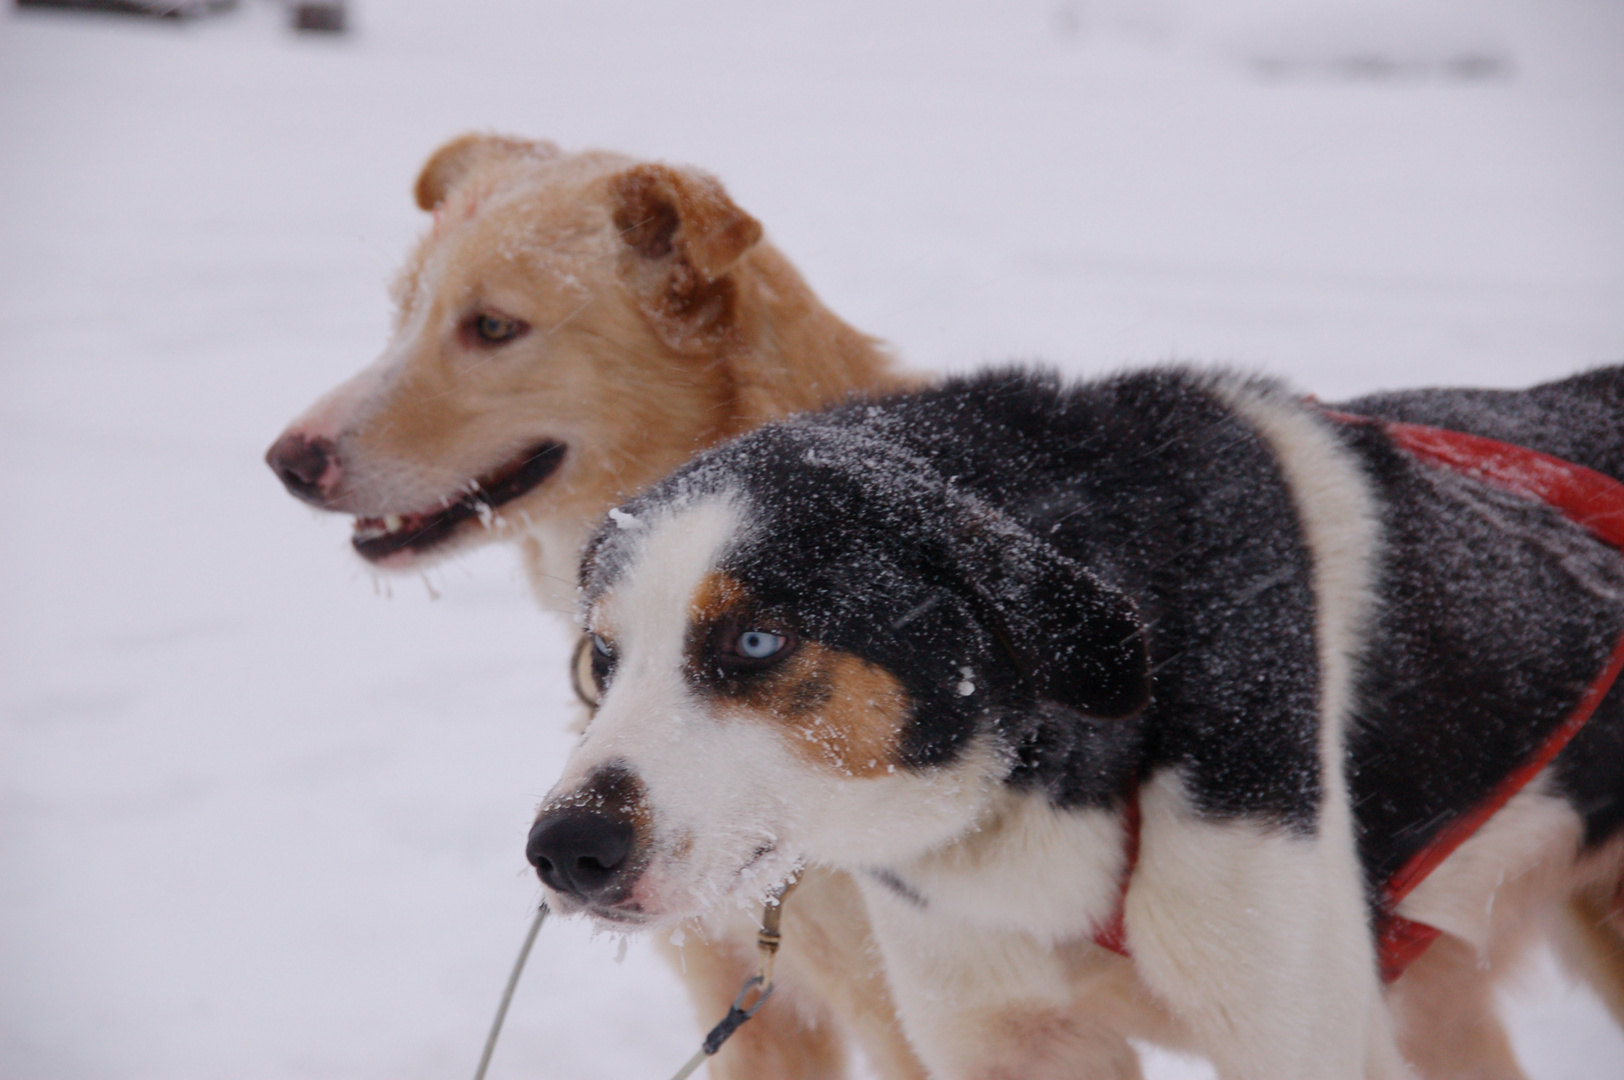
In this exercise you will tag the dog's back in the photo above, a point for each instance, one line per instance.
(1491, 613)
(1579, 419)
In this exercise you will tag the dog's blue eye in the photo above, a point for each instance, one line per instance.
(758, 644)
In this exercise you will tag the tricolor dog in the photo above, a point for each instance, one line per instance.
(1176, 662)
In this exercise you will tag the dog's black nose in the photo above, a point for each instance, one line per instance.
(578, 852)
(300, 464)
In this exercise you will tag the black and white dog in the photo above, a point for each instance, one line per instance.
(1175, 648)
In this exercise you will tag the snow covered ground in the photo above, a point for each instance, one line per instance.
(261, 815)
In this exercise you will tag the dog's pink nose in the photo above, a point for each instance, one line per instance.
(303, 465)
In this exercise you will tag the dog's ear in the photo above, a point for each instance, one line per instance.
(1072, 638)
(663, 212)
(682, 235)
(454, 161)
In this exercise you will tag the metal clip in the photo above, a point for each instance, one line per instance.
(738, 1014)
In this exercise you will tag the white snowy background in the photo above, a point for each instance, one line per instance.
(261, 816)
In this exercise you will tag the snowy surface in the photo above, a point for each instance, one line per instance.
(261, 818)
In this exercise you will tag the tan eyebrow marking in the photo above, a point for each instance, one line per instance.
(837, 710)
(716, 595)
(846, 713)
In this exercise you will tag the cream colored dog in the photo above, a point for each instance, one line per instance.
(571, 328)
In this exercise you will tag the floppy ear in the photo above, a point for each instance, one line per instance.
(682, 235)
(1072, 638)
(454, 161)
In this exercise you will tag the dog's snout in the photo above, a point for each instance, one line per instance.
(303, 465)
(579, 852)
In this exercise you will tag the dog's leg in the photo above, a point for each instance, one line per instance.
(1257, 939)
(982, 1004)
(1255, 934)
(1590, 941)
(1444, 1012)
(787, 1039)
(830, 952)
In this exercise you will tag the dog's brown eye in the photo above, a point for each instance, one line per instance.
(489, 328)
(494, 328)
(602, 664)
(588, 672)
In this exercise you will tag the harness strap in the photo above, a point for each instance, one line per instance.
(1585, 497)
(1113, 934)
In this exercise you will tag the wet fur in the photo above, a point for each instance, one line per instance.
(1277, 565)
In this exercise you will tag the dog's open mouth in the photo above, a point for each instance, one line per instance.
(377, 538)
(631, 919)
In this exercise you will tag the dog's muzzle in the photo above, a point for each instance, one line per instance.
(580, 853)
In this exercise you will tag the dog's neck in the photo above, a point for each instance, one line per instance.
(789, 353)
(1028, 866)
(550, 552)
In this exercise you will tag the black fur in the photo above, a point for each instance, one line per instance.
(1121, 567)
(1575, 419)
(1579, 419)
(1146, 481)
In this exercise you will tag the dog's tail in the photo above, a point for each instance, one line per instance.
(1590, 941)
(1579, 419)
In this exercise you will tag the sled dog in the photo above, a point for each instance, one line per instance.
(572, 327)
(1124, 704)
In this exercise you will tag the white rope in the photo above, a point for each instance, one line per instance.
(693, 1063)
(767, 941)
(507, 994)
